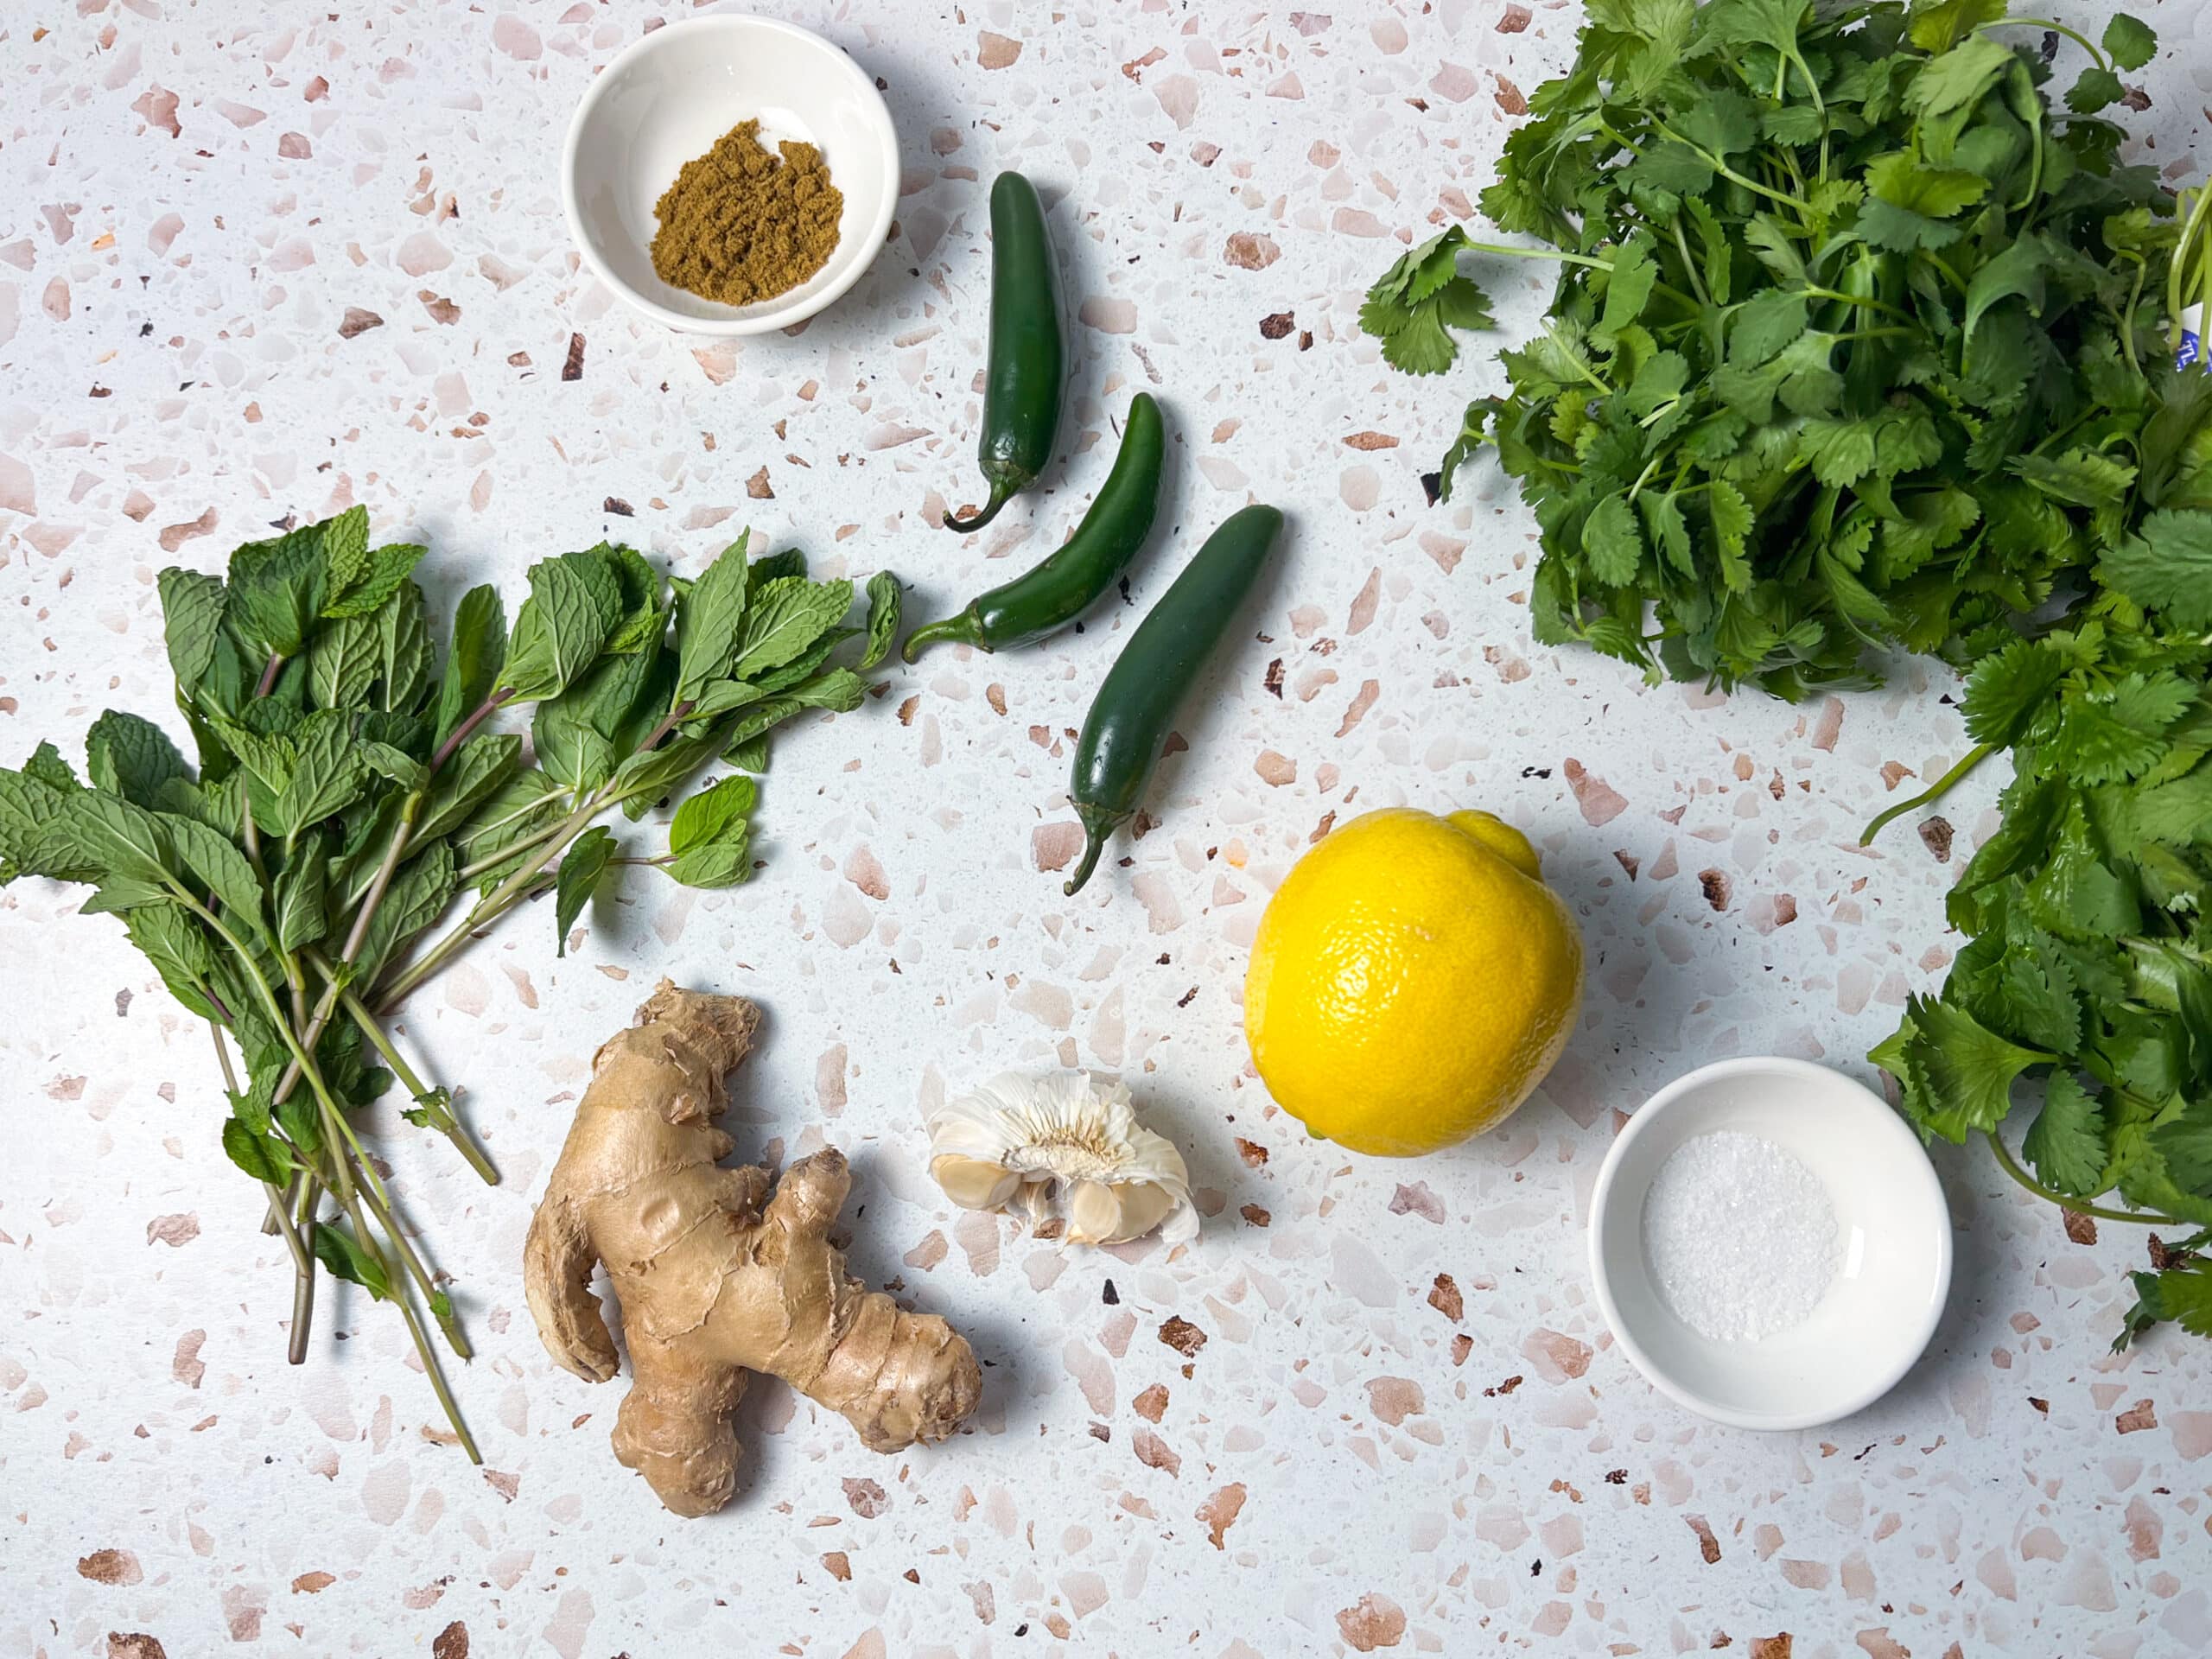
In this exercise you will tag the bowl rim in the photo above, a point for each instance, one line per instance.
(769, 315)
(1883, 1122)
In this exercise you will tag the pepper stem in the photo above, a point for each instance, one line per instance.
(1002, 490)
(1098, 825)
(961, 630)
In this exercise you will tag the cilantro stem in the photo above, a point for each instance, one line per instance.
(1974, 757)
(1689, 265)
(1804, 208)
(2081, 41)
(2177, 272)
(2011, 1167)
(1538, 253)
(1865, 300)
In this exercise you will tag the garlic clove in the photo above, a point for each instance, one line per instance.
(1143, 1207)
(1094, 1213)
(974, 1183)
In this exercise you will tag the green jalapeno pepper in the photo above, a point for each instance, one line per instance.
(1053, 594)
(1136, 702)
(1023, 383)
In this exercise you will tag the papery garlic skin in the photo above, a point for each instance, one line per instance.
(1069, 1148)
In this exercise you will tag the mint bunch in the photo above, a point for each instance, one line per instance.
(349, 792)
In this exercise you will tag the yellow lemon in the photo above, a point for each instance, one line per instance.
(1413, 980)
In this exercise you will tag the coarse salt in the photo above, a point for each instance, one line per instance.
(1739, 1236)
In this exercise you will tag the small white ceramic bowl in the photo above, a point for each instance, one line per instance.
(1895, 1230)
(666, 98)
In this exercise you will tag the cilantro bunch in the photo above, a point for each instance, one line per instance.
(1860, 342)
(1848, 329)
(2091, 909)
(348, 793)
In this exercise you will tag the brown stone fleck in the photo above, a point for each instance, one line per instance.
(1509, 97)
(442, 309)
(451, 1642)
(2081, 1229)
(1254, 1214)
(1417, 1199)
(867, 1498)
(1273, 683)
(2137, 1417)
(313, 1584)
(1372, 1622)
(1504, 1388)
(618, 507)
(1370, 441)
(1249, 250)
(110, 1566)
(1444, 1296)
(1462, 1346)
(1152, 1404)
(756, 487)
(1251, 1152)
(358, 321)
(1328, 822)
(506, 1486)
(175, 1231)
(2042, 1406)
(1935, 834)
(837, 1565)
(1771, 1647)
(1515, 18)
(996, 51)
(1183, 1336)
(1220, 1511)
(1707, 1545)
(574, 368)
(186, 1365)
(136, 1645)
(1715, 883)
(1276, 324)
(1155, 1454)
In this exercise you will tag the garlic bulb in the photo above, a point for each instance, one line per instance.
(1068, 1148)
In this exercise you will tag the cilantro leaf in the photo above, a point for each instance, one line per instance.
(2128, 42)
(2067, 1142)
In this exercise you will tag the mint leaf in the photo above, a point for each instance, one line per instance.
(192, 618)
(708, 815)
(259, 1155)
(474, 659)
(882, 619)
(376, 580)
(783, 619)
(709, 621)
(130, 757)
(343, 1257)
(573, 607)
(581, 867)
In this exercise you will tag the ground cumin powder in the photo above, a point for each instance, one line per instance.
(738, 226)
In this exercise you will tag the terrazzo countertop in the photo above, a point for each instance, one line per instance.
(259, 261)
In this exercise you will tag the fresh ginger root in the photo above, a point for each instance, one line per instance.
(715, 1277)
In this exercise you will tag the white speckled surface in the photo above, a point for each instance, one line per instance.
(195, 196)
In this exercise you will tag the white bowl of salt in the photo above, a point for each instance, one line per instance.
(1769, 1244)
